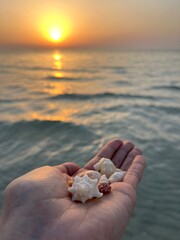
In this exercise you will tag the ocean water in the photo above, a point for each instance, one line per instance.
(58, 106)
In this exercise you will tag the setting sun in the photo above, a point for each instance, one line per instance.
(56, 34)
(55, 27)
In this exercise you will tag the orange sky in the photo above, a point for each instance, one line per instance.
(90, 23)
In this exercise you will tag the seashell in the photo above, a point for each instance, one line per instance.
(84, 188)
(90, 173)
(104, 188)
(117, 176)
(103, 179)
(103, 185)
(105, 166)
(70, 182)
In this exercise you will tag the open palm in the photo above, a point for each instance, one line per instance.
(37, 205)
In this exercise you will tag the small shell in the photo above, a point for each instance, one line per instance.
(90, 173)
(105, 166)
(104, 188)
(117, 176)
(84, 188)
(103, 185)
(103, 179)
(70, 182)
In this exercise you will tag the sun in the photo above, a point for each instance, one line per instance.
(55, 27)
(55, 34)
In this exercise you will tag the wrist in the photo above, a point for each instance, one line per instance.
(21, 225)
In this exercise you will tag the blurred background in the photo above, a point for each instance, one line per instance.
(75, 75)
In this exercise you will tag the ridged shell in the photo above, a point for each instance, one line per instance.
(84, 188)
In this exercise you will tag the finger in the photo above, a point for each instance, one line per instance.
(130, 157)
(107, 151)
(135, 172)
(121, 154)
(69, 168)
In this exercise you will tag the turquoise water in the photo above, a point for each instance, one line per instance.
(61, 106)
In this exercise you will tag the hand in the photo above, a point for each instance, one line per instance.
(37, 205)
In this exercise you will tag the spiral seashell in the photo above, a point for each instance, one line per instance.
(104, 188)
(103, 185)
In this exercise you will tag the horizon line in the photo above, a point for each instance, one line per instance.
(83, 47)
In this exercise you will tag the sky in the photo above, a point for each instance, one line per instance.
(81, 23)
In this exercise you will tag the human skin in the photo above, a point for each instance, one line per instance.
(37, 205)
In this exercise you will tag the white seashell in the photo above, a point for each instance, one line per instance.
(105, 166)
(117, 176)
(119, 170)
(84, 188)
(90, 173)
(97, 166)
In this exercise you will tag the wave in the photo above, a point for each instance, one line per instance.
(41, 124)
(40, 129)
(173, 87)
(122, 83)
(51, 77)
(148, 108)
(13, 100)
(28, 144)
(167, 109)
(41, 68)
(73, 96)
(38, 68)
(117, 69)
(33, 68)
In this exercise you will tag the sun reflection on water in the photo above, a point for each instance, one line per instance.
(60, 110)
(56, 88)
(57, 56)
(57, 62)
(57, 65)
(58, 75)
(65, 115)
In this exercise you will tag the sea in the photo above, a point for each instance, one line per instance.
(64, 105)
